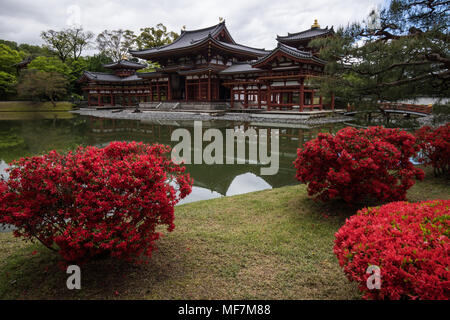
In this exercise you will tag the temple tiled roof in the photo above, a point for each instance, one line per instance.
(154, 74)
(236, 68)
(306, 35)
(237, 46)
(108, 77)
(190, 39)
(125, 64)
(201, 70)
(290, 51)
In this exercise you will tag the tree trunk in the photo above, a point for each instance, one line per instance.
(52, 101)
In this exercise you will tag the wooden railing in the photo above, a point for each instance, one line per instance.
(420, 108)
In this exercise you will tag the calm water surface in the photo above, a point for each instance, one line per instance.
(26, 135)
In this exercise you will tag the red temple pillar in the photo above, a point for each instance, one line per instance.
(186, 87)
(209, 85)
(89, 99)
(259, 96)
(169, 90)
(217, 89)
(302, 95)
(151, 91)
(199, 89)
(232, 96)
(321, 103)
(98, 100)
(158, 93)
(332, 101)
(312, 99)
(269, 97)
(245, 97)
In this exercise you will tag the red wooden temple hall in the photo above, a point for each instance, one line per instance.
(208, 66)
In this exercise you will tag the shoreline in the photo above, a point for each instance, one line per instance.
(201, 116)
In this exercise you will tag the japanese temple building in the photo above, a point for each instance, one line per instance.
(208, 67)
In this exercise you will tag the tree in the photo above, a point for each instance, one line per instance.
(49, 64)
(7, 84)
(35, 51)
(8, 58)
(79, 40)
(95, 63)
(401, 52)
(39, 84)
(115, 44)
(69, 42)
(12, 44)
(76, 69)
(155, 37)
(59, 42)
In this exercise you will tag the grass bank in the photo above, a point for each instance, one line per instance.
(30, 106)
(275, 244)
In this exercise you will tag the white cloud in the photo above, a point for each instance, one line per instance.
(254, 22)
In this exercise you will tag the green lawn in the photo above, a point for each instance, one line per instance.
(275, 244)
(30, 106)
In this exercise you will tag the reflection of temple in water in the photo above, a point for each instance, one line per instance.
(217, 177)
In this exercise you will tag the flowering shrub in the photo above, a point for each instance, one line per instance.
(435, 145)
(359, 163)
(94, 201)
(410, 244)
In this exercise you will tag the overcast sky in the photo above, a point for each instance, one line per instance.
(251, 22)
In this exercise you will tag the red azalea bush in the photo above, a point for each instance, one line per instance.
(410, 244)
(435, 145)
(358, 163)
(94, 202)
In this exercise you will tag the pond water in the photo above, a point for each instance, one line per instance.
(27, 136)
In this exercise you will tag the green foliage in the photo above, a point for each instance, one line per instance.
(8, 58)
(76, 67)
(79, 40)
(58, 41)
(7, 83)
(35, 51)
(152, 66)
(50, 64)
(155, 37)
(12, 44)
(441, 109)
(399, 53)
(68, 43)
(37, 84)
(95, 63)
(115, 44)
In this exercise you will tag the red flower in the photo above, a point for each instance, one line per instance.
(435, 148)
(359, 163)
(94, 201)
(410, 244)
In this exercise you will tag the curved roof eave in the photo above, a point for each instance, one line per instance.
(205, 41)
(297, 54)
(190, 37)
